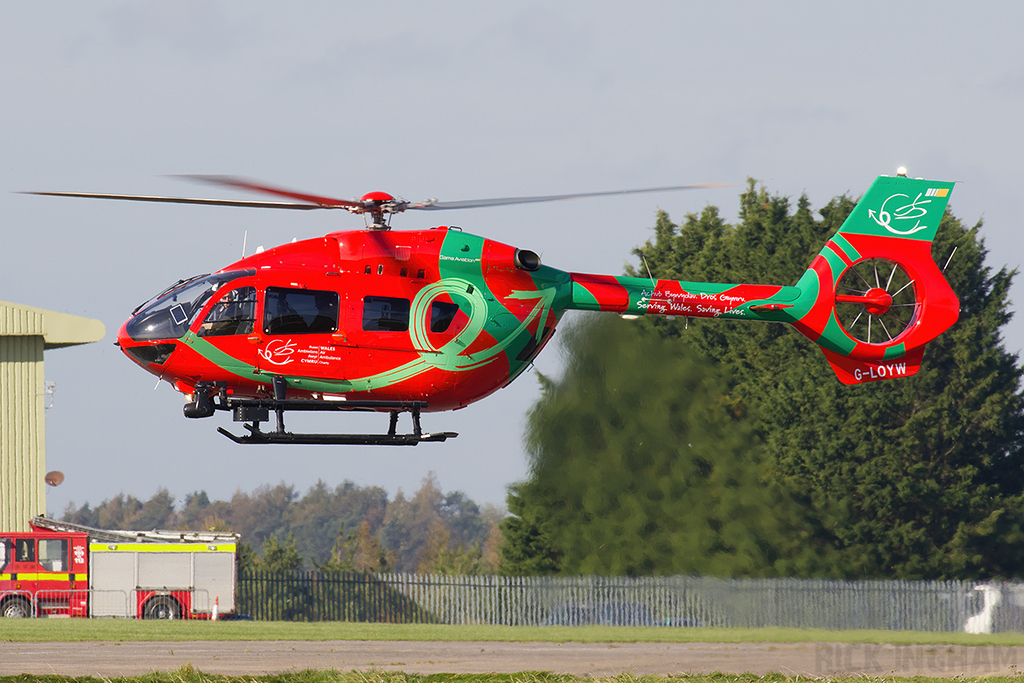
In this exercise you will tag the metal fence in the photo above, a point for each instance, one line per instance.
(650, 601)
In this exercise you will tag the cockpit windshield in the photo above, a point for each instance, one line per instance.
(170, 316)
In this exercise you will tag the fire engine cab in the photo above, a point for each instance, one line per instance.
(67, 570)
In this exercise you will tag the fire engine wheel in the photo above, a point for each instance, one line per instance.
(162, 607)
(17, 608)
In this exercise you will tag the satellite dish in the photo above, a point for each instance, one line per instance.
(54, 478)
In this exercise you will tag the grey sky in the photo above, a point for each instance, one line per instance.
(451, 100)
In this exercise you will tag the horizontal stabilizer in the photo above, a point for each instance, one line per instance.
(852, 371)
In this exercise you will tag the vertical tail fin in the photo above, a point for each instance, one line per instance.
(874, 296)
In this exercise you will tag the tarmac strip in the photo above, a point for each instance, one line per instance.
(238, 658)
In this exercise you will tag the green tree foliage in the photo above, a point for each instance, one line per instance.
(245, 557)
(408, 522)
(127, 512)
(529, 548)
(344, 528)
(641, 467)
(358, 551)
(278, 557)
(911, 478)
(441, 556)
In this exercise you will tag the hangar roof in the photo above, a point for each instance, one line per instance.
(57, 329)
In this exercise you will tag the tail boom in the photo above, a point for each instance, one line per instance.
(641, 296)
(872, 298)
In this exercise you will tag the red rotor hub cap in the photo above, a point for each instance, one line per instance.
(876, 300)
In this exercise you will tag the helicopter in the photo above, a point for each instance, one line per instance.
(435, 319)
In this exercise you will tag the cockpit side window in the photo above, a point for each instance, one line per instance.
(300, 311)
(235, 313)
(170, 316)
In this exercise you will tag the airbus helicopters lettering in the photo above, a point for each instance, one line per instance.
(432, 320)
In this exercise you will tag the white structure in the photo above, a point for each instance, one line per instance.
(983, 621)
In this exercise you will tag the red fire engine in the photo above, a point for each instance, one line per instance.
(67, 570)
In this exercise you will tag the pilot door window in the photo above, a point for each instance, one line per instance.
(235, 313)
(300, 311)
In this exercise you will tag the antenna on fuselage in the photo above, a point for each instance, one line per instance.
(949, 259)
(653, 283)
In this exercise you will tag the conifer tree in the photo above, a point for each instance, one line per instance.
(640, 467)
(914, 478)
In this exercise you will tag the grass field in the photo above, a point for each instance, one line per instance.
(191, 675)
(72, 630)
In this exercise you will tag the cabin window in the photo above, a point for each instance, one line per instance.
(300, 311)
(53, 554)
(442, 313)
(235, 313)
(25, 550)
(385, 314)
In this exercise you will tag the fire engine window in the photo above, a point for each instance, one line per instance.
(53, 554)
(235, 313)
(25, 550)
(6, 553)
(442, 313)
(299, 311)
(385, 314)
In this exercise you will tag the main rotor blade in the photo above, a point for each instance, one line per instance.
(310, 201)
(433, 205)
(243, 184)
(187, 200)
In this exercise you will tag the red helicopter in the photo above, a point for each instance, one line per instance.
(432, 320)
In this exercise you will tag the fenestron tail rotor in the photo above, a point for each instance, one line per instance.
(876, 301)
(376, 205)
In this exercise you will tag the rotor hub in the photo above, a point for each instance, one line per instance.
(877, 301)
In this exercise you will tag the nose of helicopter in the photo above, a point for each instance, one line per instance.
(124, 341)
(146, 353)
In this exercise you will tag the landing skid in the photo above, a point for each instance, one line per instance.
(253, 411)
(257, 436)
